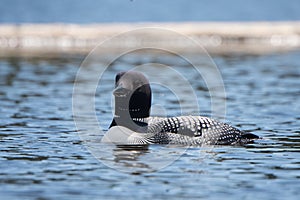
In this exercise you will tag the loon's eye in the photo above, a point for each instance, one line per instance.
(118, 76)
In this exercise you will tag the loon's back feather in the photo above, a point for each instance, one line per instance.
(195, 130)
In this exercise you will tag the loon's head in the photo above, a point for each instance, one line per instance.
(132, 99)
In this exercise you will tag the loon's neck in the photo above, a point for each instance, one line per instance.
(135, 124)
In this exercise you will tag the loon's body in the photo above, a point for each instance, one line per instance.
(132, 111)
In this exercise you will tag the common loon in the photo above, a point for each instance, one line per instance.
(132, 117)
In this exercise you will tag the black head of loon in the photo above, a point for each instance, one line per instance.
(132, 100)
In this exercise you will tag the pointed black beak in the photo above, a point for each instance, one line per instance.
(120, 91)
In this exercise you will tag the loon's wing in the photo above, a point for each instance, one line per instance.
(197, 130)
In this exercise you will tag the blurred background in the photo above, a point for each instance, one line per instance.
(36, 27)
(100, 11)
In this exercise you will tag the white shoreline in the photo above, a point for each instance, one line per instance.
(215, 37)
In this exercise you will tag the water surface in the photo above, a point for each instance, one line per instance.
(42, 156)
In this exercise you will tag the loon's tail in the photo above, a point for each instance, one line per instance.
(249, 137)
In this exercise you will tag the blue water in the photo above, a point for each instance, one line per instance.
(96, 11)
(43, 157)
